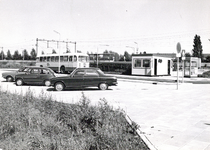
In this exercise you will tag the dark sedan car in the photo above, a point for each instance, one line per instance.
(206, 74)
(84, 77)
(35, 75)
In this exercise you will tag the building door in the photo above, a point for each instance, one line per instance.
(155, 67)
(169, 67)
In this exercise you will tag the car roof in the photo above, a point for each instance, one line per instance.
(91, 68)
(37, 67)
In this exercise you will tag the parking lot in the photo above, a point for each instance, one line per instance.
(170, 118)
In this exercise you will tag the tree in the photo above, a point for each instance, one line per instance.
(125, 57)
(54, 52)
(197, 47)
(17, 56)
(33, 54)
(187, 55)
(25, 55)
(2, 56)
(9, 56)
(208, 58)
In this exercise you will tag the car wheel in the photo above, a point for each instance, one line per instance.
(9, 79)
(59, 86)
(47, 83)
(19, 82)
(103, 86)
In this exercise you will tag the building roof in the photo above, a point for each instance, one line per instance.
(169, 55)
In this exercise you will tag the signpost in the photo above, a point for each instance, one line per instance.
(183, 58)
(178, 54)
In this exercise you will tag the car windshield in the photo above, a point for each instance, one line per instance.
(101, 72)
(51, 70)
(23, 69)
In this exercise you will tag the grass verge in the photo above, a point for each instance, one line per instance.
(27, 122)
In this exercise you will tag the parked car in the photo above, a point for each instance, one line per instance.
(84, 77)
(35, 75)
(206, 74)
(10, 75)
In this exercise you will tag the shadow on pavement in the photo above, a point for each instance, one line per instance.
(78, 89)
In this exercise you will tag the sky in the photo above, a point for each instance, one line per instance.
(154, 26)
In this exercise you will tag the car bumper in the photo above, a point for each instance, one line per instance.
(114, 84)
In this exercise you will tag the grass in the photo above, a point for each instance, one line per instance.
(28, 122)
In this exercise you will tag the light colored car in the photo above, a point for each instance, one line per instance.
(10, 75)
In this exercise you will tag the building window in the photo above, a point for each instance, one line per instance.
(137, 63)
(146, 62)
(194, 64)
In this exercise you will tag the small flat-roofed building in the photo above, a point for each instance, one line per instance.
(152, 64)
(191, 65)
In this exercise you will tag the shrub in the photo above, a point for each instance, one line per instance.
(28, 122)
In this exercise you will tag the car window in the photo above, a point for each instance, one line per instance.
(79, 73)
(91, 73)
(101, 72)
(34, 71)
(44, 71)
(23, 69)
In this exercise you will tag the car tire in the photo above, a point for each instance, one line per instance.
(19, 82)
(59, 86)
(9, 79)
(103, 86)
(47, 83)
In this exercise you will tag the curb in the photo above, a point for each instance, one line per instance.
(142, 136)
(160, 80)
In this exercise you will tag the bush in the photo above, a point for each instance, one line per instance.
(28, 122)
(16, 64)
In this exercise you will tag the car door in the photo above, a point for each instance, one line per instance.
(32, 76)
(76, 80)
(45, 74)
(91, 78)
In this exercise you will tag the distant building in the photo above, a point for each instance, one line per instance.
(152, 64)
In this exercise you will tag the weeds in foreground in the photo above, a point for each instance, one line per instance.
(27, 122)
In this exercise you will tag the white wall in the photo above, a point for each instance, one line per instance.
(162, 66)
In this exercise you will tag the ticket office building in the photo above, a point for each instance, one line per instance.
(151, 65)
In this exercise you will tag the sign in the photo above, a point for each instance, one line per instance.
(178, 47)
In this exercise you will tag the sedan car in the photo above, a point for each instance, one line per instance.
(84, 77)
(10, 76)
(206, 74)
(35, 75)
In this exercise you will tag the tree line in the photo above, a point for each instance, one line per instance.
(197, 51)
(18, 56)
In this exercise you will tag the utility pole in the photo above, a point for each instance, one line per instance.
(37, 45)
(137, 47)
(59, 51)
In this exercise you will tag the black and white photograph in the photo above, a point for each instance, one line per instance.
(104, 75)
